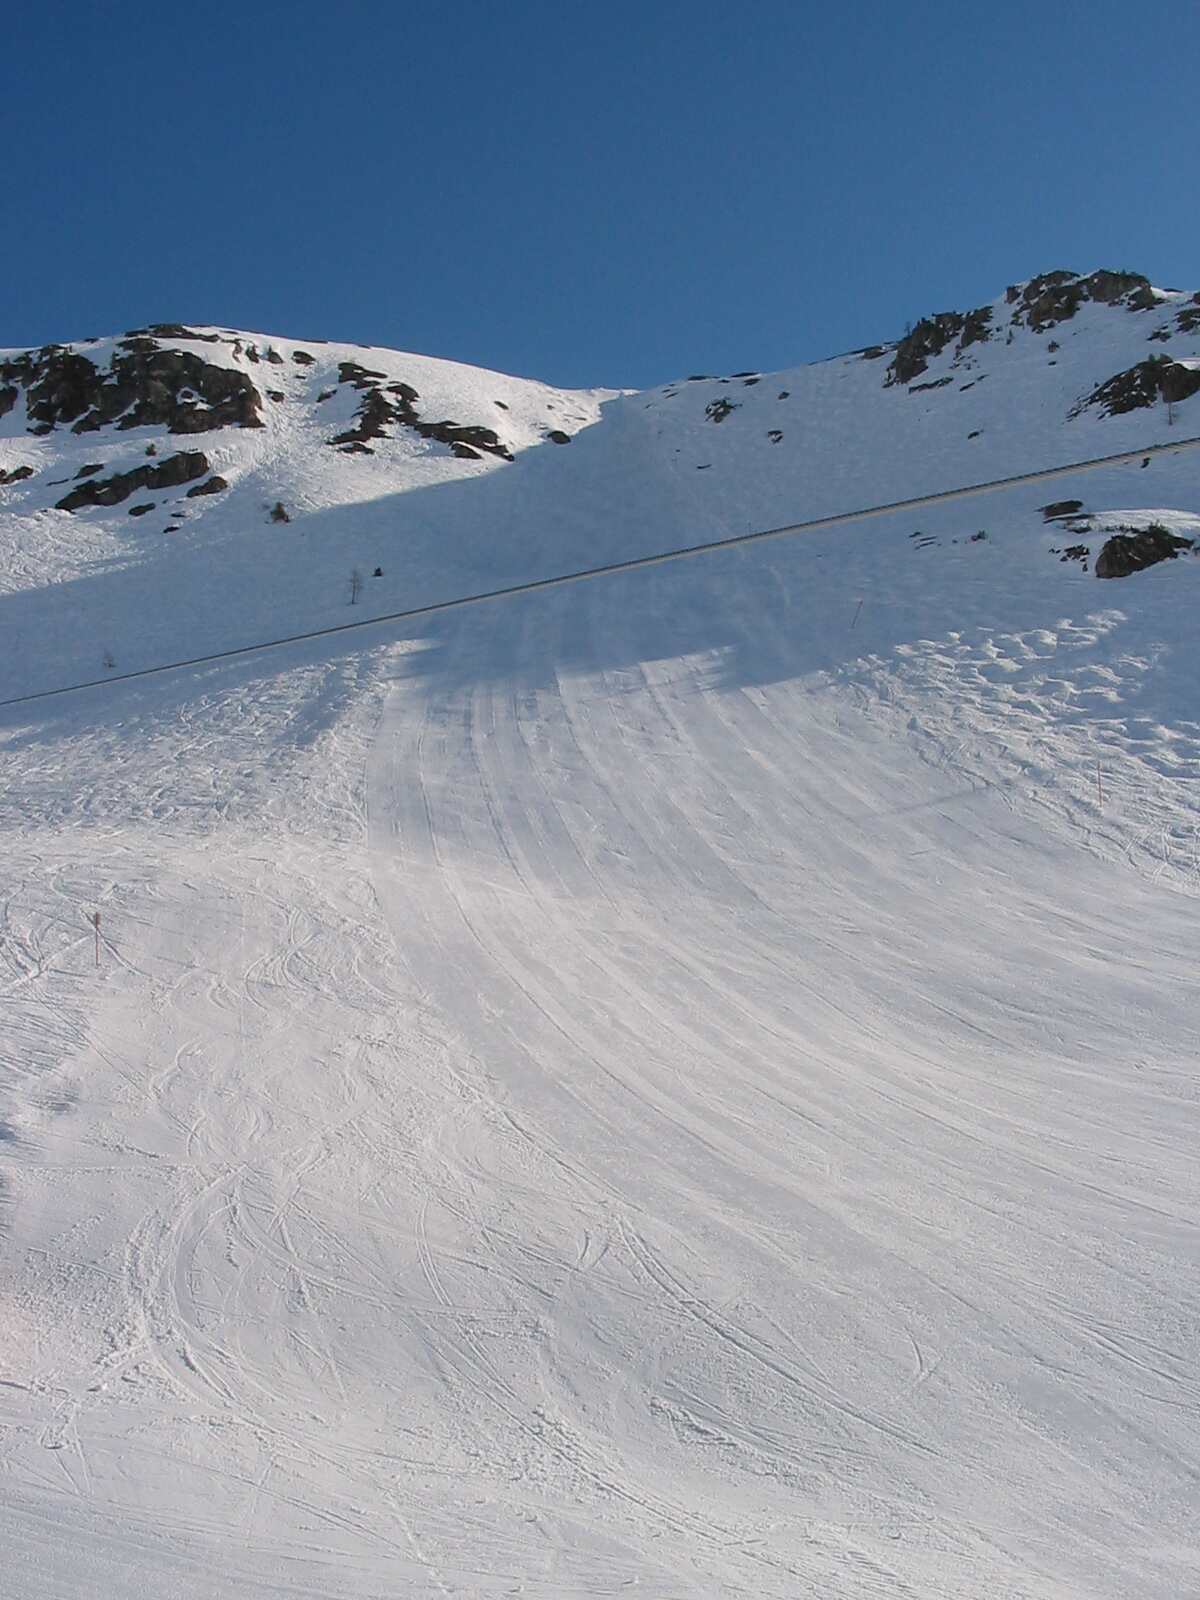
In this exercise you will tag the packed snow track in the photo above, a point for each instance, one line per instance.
(681, 1086)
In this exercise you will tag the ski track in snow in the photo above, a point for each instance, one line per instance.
(711, 1192)
(681, 1086)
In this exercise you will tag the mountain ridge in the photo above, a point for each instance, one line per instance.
(681, 1083)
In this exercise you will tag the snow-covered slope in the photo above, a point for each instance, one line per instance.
(1002, 390)
(684, 1084)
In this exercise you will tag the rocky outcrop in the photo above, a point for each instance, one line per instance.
(166, 474)
(143, 386)
(931, 336)
(1041, 303)
(387, 404)
(1156, 379)
(1055, 297)
(1131, 552)
(177, 330)
(718, 410)
(15, 475)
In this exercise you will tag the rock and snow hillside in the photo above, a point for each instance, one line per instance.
(140, 474)
(682, 1084)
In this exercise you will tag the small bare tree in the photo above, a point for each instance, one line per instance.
(355, 586)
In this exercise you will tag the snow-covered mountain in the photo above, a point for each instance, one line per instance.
(142, 475)
(684, 1083)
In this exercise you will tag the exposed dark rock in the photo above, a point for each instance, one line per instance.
(718, 410)
(278, 513)
(919, 346)
(1133, 552)
(276, 394)
(470, 434)
(976, 327)
(934, 383)
(501, 404)
(302, 358)
(90, 471)
(274, 358)
(16, 475)
(381, 408)
(974, 434)
(872, 352)
(748, 383)
(1055, 297)
(372, 418)
(360, 377)
(213, 485)
(1157, 378)
(182, 468)
(176, 330)
(700, 377)
(750, 372)
(785, 394)
(151, 450)
(326, 394)
(378, 573)
(356, 449)
(140, 388)
(1187, 321)
(9, 395)
(557, 436)
(252, 354)
(1162, 335)
(1060, 508)
(775, 435)
(140, 511)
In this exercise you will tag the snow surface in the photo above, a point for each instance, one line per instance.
(684, 1085)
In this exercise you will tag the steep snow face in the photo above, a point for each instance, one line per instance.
(681, 1085)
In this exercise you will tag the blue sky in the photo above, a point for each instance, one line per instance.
(610, 194)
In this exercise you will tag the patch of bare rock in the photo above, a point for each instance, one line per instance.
(391, 403)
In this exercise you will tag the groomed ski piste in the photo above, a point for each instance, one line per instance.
(683, 1084)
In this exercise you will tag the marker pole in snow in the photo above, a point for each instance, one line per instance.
(857, 609)
(96, 925)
